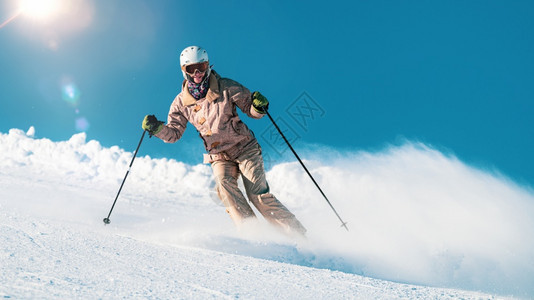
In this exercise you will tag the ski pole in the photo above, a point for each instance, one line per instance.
(106, 220)
(343, 224)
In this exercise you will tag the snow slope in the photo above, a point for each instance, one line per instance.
(422, 225)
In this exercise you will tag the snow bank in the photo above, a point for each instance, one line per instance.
(79, 161)
(415, 214)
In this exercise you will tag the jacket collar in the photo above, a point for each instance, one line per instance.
(213, 90)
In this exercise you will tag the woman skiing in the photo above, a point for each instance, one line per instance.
(209, 101)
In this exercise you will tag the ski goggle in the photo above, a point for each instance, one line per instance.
(201, 67)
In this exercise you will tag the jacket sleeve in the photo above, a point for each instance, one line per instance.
(242, 97)
(176, 124)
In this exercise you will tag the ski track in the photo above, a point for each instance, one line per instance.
(46, 259)
(66, 257)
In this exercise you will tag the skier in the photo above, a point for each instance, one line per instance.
(208, 101)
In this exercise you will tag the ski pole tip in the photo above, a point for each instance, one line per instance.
(344, 224)
(106, 221)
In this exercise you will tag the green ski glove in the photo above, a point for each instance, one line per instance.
(152, 125)
(259, 102)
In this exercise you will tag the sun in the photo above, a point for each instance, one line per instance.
(58, 15)
(40, 9)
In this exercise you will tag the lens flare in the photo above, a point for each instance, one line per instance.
(82, 124)
(70, 93)
(13, 17)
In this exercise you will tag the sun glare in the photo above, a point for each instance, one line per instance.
(40, 9)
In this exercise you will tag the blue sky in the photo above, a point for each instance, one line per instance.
(457, 75)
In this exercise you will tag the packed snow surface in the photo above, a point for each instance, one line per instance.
(422, 224)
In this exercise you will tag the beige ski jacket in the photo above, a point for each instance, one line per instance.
(215, 118)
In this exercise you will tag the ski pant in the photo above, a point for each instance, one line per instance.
(249, 164)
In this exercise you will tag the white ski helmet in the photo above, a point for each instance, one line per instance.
(193, 55)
